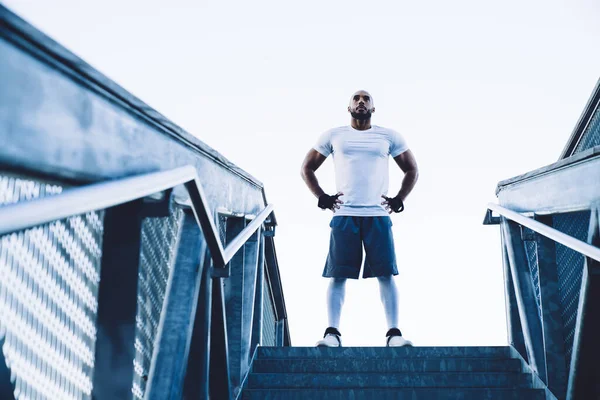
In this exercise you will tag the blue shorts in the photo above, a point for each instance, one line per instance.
(348, 236)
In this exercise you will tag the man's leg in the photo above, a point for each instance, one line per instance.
(380, 262)
(343, 262)
(336, 293)
(389, 298)
(335, 300)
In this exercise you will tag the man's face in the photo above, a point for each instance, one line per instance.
(361, 105)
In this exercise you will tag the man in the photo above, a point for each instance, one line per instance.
(361, 207)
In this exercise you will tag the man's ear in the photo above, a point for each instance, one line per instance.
(349, 109)
(372, 110)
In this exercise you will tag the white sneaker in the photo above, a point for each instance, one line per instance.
(331, 338)
(395, 339)
(398, 341)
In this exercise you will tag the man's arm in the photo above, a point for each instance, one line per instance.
(311, 163)
(407, 163)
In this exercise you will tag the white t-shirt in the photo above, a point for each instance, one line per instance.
(360, 160)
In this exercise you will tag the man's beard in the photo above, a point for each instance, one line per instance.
(361, 116)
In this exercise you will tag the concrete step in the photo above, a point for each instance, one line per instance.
(387, 380)
(383, 352)
(395, 394)
(331, 365)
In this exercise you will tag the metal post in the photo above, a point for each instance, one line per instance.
(525, 295)
(7, 389)
(585, 373)
(280, 333)
(513, 322)
(117, 302)
(174, 333)
(554, 344)
(234, 300)
(287, 341)
(220, 373)
(249, 291)
(198, 368)
(272, 276)
(258, 297)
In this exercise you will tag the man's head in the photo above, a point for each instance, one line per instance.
(361, 105)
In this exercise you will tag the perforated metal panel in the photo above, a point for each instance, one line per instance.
(531, 251)
(222, 226)
(157, 253)
(591, 136)
(570, 269)
(49, 279)
(269, 322)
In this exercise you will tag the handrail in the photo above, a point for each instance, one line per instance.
(244, 235)
(562, 238)
(98, 196)
(81, 200)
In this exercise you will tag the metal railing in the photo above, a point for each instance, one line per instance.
(586, 133)
(191, 350)
(19, 216)
(121, 302)
(537, 331)
(551, 233)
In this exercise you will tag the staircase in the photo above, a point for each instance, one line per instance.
(431, 373)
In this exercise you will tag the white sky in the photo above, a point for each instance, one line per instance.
(482, 91)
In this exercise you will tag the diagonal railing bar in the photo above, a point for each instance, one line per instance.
(211, 235)
(562, 238)
(525, 297)
(244, 235)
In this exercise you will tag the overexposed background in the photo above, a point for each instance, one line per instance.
(482, 91)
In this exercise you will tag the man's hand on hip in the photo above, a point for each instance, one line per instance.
(327, 202)
(393, 204)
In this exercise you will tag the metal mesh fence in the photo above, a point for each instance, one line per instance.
(158, 246)
(222, 226)
(49, 279)
(570, 269)
(269, 322)
(531, 250)
(591, 136)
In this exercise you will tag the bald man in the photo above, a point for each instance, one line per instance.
(361, 210)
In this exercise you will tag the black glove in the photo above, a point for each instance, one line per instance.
(395, 203)
(327, 202)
